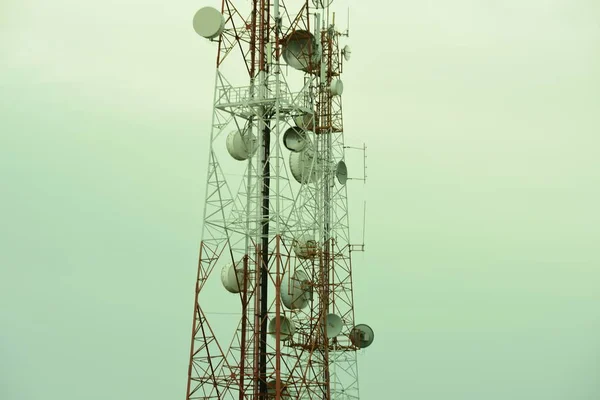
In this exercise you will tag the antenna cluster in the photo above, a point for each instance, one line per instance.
(280, 235)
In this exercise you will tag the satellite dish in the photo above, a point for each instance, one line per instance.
(286, 328)
(300, 50)
(296, 292)
(305, 247)
(305, 121)
(208, 22)
(241, 145)
(334, 325)
(272, 389)
(337, 87)
(232, 278)
(294, 139)
(362, 336)
(346, 52)
(341, 172)
(321, 3)
(304, 166)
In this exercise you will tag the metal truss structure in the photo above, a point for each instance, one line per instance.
(276, 213)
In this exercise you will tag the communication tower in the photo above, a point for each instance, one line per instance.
(276, 213)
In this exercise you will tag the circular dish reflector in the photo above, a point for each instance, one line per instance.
(337, 87)
(296, 292)
(321, 3)
(300, 50)
(286, 328)
(232, 279)
(241, 146)
(304, 166)
(334, 325)
(362, 336)
(305, 121)
(294, 139)
(208, 22)
(272, 390)
(347, 52)
(305, 247)
(341, 172)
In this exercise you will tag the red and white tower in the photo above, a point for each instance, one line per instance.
(276, 227)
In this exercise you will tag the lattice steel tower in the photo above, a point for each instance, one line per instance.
(276, 214)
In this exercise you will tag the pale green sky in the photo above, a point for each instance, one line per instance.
(482, 276)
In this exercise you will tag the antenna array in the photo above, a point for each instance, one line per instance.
(280, 234)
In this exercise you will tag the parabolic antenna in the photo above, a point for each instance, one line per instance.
(305, 247)
(300, 50)
(334, 325)
(347, 52)
(341, 172)
(294, 139)
(362, 336)
(296, 292)
(208, 22)
(337, 87)
(321, 3)
(232, 278)
(305, 121)
(241, 145)
(304, 166)
(272, 390)
(286, 328)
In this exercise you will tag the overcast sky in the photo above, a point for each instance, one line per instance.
(482, 121)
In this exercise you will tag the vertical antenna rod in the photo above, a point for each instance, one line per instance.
(266, 181)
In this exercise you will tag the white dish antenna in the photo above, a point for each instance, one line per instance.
(304, 166)
(232, 278)
(241, 146)
(337, 87)
(362, 336)
(341, 172)
(305, 247)
(294, 139)
(334, 325)
(305, 121)
(321, 3)
(300, 50)
(296, 292)
(208, 22)
(347, 52)
(286, 328)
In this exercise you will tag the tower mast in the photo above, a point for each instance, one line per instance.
(278, 230)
